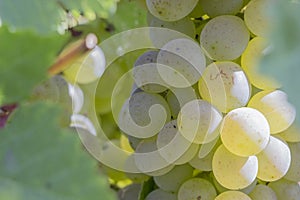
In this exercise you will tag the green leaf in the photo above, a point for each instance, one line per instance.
(38, 160)
(283, 61)
(44, 16)
(24, 60)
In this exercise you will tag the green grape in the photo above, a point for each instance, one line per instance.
(130, 192)
(207, 147)
(143, 115)
(174, 147)
(205, 163)
(149, 161)
(184, 25)
(160, 194)
(245, 131)
(232, 195)
(87, 69)
(225, 85)
(168, 183)
(215, 8)
(285, 189)
(262, 192)
(185, 58)
(197, 188)
(135, 175)
(198, 121)
(250, 60)
(292, 134)
(184, 95)
(276, 108)
(224, 37)
(293, 173)
(170, 10)
(274, 161)
(77, 97)
(232, 171)
(257, 17)
(146, 76)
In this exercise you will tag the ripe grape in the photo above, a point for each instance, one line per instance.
(232, 171)
(262, 192)
(225, 85)
(285, 189)
(273, 161)
(293, 173)
(232, 195)
(224, 37)
(245, 131)
(215, 8)
(160, 194)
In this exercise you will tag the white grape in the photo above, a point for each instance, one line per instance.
(224, 37)
(245, 131)
(276, 108)
(232, 195)
(262, 192)
(257, 17)
(130, 192)
(132, 172)
(225, 85)
(198, 121)
(293, 173)
(250, 62)
(185, 58)
(170, 10)
(215, 8)
(145, 73)
(81, 121)
(174, 147)
(77, 97)
(197, 188)
(292, 134)
(285, 189)
(232, 171)
(87, 69)
(208, 147)
(160, 194)
(149, 161)
(143, 115)
(274, 161)
(168, 183)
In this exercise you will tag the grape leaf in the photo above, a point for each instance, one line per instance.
(44, 16)
(283, 61)
(24, 60)
(38, 160)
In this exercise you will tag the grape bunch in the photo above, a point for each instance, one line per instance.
(202, 122)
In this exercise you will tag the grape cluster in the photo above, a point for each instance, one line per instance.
(219, 128)
(202, 122)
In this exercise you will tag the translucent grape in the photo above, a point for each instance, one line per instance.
(224, 37)
(186, 59)
(184, 95)
(232, 195)
(285, 189)
(215, 8)
(130, 192)
(225, 85)
(170, 10)
(145, 74)
(207, 147)
(77, 97)
(274, 161)
(293, 173)
(232, 171)
(198, 121)
(174, 147)
(160, 194)
(276, 108)
(262, 192)
(257, 17)
(245, 131)
(168, 183)
(88, 68)
(81, 121)
(250, 59)
(292, 134)
(143, 115)
(135, 175)
(149, 161)
(197, 188)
